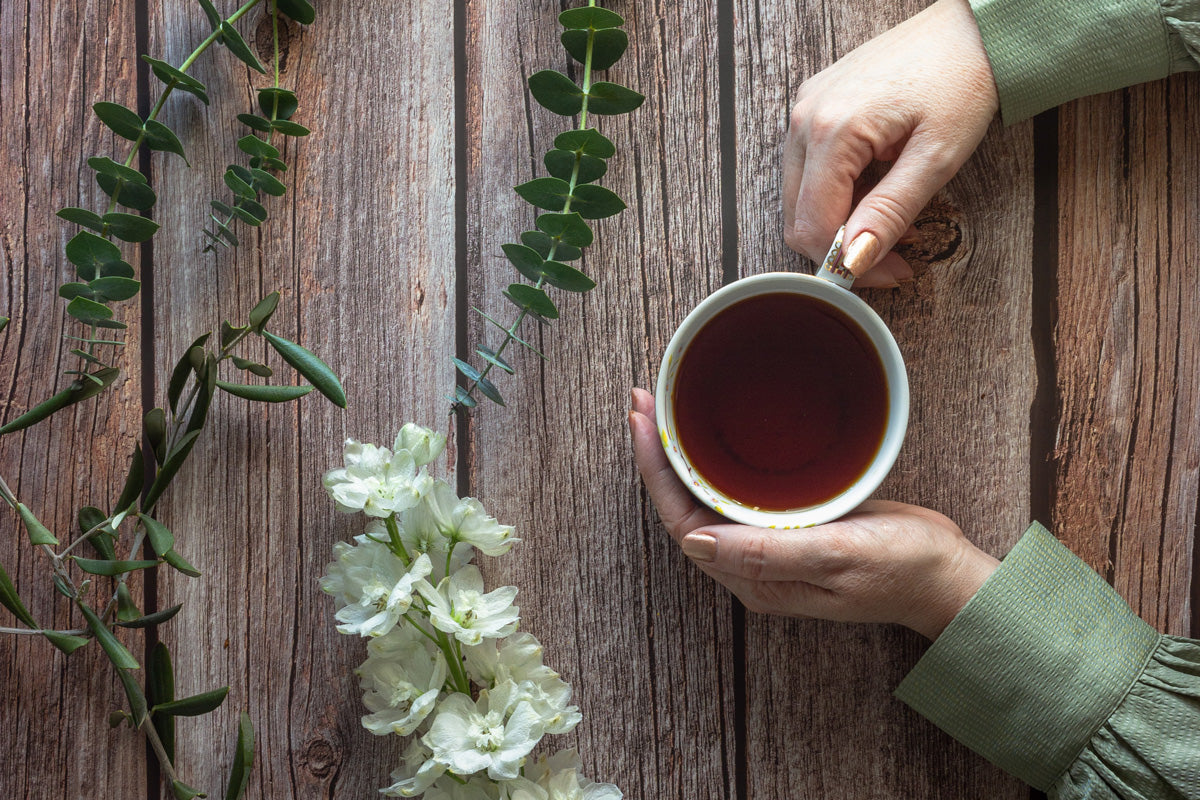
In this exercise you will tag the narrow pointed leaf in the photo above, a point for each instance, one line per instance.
(181, 564)
(126, 608)
(208, 386)
(588, 142)
(65, 642)
(265, 394)
(160, 688)
(119, 119)
(135, 479)
(173, 77)
(596, 202)
(38, 533)
(160, 536)
(170, 466)
(137, 699)
(243, 759)
(117, 654)
(160, 137)
(492, 357)
(490, 391)
(299, 10)
(97, 566)
(81, 216)
(12, 601)
(556, 92)
(607, 46)
(253, 367)
(590, 17)
(316, 371)
(463, 398)
(237, 45)
(192, 706)
(80, 390)
(210, 11)
(157, 618)
(182, 369)
(612, 98)
(90, 517)
(466, 369)
(184, 792)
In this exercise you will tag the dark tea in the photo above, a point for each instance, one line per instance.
(781, 401)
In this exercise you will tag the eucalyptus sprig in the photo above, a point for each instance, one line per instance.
(593, 37)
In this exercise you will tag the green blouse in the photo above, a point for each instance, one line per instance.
(1046, 52)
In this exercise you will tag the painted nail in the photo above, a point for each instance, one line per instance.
(700, 546)
(860, 255)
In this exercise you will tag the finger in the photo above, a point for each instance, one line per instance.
(811, 555)
(826, 191)
(787, 598)
(679, 511)
(888, 210)
(891, 271)
(793, 171)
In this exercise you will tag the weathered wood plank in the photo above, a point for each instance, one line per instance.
(1127, 463)
(644, 639)
(56, 60)
(820, 718)
(361, 248)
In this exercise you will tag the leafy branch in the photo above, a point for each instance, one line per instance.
(592, 36)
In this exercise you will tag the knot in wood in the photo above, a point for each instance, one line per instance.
(263, 45)
(940, 237)
(320, 758)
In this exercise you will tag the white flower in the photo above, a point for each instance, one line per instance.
(519, 659)
(543, 767)
(402, 678)
(475, 789)
(459, 520)
(416, 774)
(460, 607)
(375, 586)
(493, 733)
(570, 785)
(522, 789)
(422, 443)
(376, 481)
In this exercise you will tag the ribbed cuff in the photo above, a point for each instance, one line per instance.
(1034, 663)
(1046, 52)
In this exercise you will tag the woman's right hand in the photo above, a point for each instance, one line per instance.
(921, 95)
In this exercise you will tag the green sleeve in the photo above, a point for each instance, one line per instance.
(1046, 52)
(1047, 673)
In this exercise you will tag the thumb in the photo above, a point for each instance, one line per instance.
(887, 211)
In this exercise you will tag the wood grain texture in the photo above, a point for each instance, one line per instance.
(820, 718)
(1127, 459)
(361, 249)
(643, 637)
(54, 63)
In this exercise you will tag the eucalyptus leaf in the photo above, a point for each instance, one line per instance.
(566, 165)
(567, 278)
(277, 104)
(543, 244)
(160, 688)
(229, 333)
(130, 194)
(290, 128)
(106, 166)
(38, 533)
(588, 142)
(69, 291)
(157, 618)
(490, 391)
(192, 706)
(316, 371)
(81, 216)
(596, 202)
(119, 119)
(547, 193)
(115, 289)
(173, 78)
(65, 642)
(525, 259)
(130, 227)
(531, 299)
(607, 46)
(590, 17)
(299, 10)
(612, 98)
(91, 253)
(238, 186)
(255, 122)
(117, 654)
(243, 759)
(210, 11)
(97, 566)
(556, 92)
(466, 369)
(241, 213)
(268, 183)
(237, 45)
(160, 137)
(570, 229)
(78, 391)
(12, 601)
(492, 357)
(86, 356)
(463, 398)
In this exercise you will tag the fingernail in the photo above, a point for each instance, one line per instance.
(700, 546)
(860, 255)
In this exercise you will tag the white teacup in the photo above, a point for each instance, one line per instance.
(830, 285)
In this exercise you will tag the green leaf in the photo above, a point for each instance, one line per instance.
(90, 517)
(65, 641)
(272, 163)
(210, 11)
(316, 371)
(261, 313)
(492, 357)
(135, 479)
(162, 541)
(81, 216)
(543, 244)
(607, 46)
(91, 254)
(98, 566)
(157, 618)
(290, 128)
(167, 471)
(229, 333)
(160, 688)
(119, 119)
(244, 215)
(180, 563)
(548, 193)
(557, 92)
(183, 368)
(79, 390)
(535, 300)
(466, 369)
(115, 289)
(130, 194)
(117, 654)
(596, 202)
(106, 166)
(243, 759)
(38, 533)
(299, 10)
(155, 426)
(192, 706)
(4, 323)
(277, 104)
(569, 228)
(255, 122)
(238, 186)
(612, 98)
(525, 259)
(253, 367)
(130, 227)
(590, 17)
(237, 45)
(184, 792)
(464, 399)
(75, 351)
(173, 77)
(12, 601)
(69, 291)
(254, 146)
(588, 142)
(268, 183)
(160, 137)
(561, 164)
(126, 609)
(566, 277)
(265, 394)
(490, 391)
(137, 700)
(208, 386)
(88, 311)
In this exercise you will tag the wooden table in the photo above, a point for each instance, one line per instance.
(1051, 336)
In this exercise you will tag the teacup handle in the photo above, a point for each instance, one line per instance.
(831, 268)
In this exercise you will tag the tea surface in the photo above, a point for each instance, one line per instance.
(781, 401)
